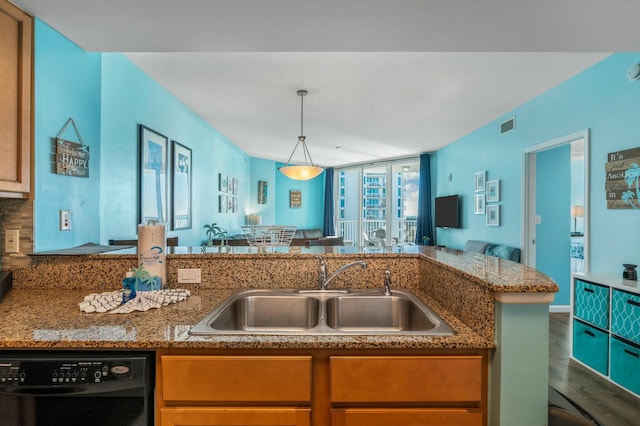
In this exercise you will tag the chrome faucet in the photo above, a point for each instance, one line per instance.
(324, 280)
(387, 283)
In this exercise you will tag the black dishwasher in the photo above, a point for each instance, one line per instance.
(59, 388)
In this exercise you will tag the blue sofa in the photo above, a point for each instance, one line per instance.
(490, 249)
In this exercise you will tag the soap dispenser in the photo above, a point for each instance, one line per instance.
(129, 287)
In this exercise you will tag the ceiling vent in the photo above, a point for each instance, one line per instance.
(507, 126)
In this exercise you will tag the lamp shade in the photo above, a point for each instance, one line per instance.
(577, 211)
(301, 172)
(254, 219)
(308, 171)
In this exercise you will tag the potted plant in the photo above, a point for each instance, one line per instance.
(213, 231)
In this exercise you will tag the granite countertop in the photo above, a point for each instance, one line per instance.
(51, 319)
(42, 310)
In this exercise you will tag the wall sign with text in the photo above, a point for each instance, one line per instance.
(622, 183)
(72, 158)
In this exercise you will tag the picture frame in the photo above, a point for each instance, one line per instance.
(235, 186)
(223, 204)
(295, 199)
(181, 178)
(479, 204)
(493, 215)
(262, 192)
(481, 178)
(222, 182)
(153, 175)
(493, 191)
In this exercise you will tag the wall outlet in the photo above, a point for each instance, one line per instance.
(189, 276)
(12, 241)
(65, 220)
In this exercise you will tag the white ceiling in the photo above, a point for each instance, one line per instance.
(386, 78)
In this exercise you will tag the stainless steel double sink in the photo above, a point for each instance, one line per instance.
(322, 312)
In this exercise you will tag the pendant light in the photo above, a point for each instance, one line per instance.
(308, 171)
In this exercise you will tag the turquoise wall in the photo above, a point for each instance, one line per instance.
(311, 214)
(67, 85)
(553, 205)
(601, 99)
(130, 97)
(108, 97)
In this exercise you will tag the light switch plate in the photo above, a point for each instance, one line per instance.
(189, 276)
(65, 220)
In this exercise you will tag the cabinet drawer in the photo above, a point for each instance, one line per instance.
(225, 416)
(625, 315)
(591, 303)
(625, 364)
(406, 417)
(406, 379)
(591, 346)
(236, 378)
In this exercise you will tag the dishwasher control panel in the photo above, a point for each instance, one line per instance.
(62, 372)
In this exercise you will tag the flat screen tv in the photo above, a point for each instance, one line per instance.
(448, 211)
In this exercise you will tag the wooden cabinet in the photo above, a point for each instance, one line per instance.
(15, 101)
(406, 417)
(606, 327)
(208, 416)
(235, 390)
(322, 389)
(434, 390)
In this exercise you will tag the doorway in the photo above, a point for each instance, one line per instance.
(555, 205)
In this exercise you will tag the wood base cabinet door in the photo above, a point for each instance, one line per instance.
(220, 416)
(406, 417)
(15, 101)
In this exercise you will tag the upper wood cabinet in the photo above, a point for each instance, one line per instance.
(16, 50)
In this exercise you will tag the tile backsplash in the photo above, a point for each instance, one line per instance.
(16, 214)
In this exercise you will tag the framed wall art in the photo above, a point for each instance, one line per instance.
(262, 192)
(295, 199)
(493, 215)
(153, 175)
(181, 188)
(481, 178)
(479, 204)
(223, 183)
(223, 204)
(493, 191)
(234, 186)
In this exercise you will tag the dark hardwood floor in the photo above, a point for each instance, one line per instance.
(608, 403)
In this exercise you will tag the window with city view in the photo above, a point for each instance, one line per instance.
(377, 204)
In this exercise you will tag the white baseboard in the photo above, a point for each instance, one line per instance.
(556, 309)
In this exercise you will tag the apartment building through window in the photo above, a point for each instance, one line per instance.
(377, 203)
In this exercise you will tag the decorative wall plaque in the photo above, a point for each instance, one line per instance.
(295, 199)
(72, 158)
(622, 181)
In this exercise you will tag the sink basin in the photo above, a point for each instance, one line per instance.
(383, 313)
(258, 311)
(330, 312)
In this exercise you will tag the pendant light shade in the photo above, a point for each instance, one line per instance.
(309, 170)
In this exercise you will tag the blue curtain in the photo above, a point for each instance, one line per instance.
(328, 226)
(424, 228)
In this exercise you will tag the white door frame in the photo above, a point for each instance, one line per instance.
(529, 195)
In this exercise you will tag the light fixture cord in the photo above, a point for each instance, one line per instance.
(301, 138)
(302, 115)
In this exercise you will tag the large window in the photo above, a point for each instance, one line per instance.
(378, 203)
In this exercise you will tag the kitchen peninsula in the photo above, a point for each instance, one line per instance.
(498, 309)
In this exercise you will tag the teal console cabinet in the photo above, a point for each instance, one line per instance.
(605, 322)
